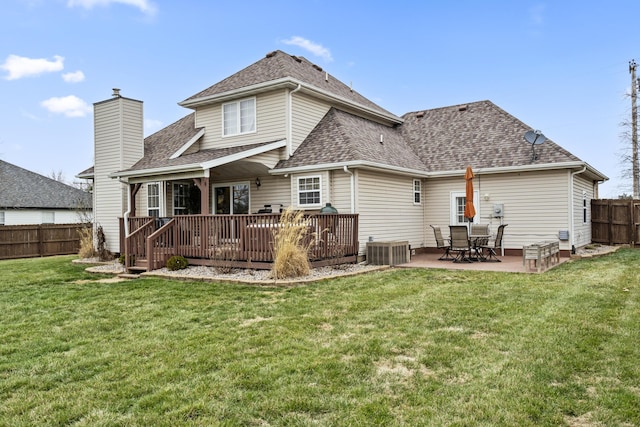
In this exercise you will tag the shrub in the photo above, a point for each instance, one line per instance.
(177, 262)
(290, 249)
(101, 248)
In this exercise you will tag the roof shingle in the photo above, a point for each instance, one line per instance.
(23, 189)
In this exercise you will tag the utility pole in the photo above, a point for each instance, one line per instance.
(634, 129)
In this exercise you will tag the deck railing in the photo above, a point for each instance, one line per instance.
(237, 240)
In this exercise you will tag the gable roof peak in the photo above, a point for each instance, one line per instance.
(278, 69)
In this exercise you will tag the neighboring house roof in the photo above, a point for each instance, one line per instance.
(280, 67)
(345, 139)
(23, 189)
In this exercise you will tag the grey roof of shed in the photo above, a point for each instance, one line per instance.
(341, 137)
(23, 189)
(279, 65)
(478, 134)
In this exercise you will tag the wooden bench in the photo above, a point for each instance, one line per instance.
(541, 255)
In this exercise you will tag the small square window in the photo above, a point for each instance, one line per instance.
(309, 191)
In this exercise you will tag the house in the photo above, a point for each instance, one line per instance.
(29, 198)
(284, 132)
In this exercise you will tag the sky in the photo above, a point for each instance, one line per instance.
(561, 67)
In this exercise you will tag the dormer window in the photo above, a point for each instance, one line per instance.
(239, 117)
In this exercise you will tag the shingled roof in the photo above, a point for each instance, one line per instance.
(479, 134)
(279, 65)
(342, 137)
(23, 189)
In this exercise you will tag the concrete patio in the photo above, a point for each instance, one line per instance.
(512, 264)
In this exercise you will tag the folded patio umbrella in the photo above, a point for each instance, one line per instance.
(469, 209)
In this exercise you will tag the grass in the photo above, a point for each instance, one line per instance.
(395, 348)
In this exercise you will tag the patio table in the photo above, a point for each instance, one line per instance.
(476, 241)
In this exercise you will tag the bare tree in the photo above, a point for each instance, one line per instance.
(57, 175)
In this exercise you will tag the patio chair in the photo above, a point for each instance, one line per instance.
(477, 242)
(460, 243)
(441, 244)
(497, 245)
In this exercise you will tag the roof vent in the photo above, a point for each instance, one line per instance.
(271, 54)
(381, 138)
(317, 67)
(464, 107)
(116, 92)
(420, 114)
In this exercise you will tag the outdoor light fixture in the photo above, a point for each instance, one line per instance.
(486, 197)
(258, 183)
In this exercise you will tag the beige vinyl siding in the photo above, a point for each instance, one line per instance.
(306, 113)
(581, 230)
(118, 126)
(339, 194)
(536, 205)
(274, 191)
(387, 211)
(270, 122)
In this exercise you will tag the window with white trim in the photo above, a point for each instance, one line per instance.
(239, 117)
(48, 217)
(458, 201)
(309, 191)
(153, 199)
(584, 207)
(417, 192)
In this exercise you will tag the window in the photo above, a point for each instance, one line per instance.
(417, 192)
(458, 200)
(1, 218)
(232, 199)
(239, 117)
(584, 207)
(309, 191)
(153, 199)
(48, 217)
(180, 199)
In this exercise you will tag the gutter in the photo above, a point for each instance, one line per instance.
(283, 83)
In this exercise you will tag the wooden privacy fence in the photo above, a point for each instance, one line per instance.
(615, 221)
(26, 241)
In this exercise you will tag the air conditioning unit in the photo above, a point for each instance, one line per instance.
(388, 253)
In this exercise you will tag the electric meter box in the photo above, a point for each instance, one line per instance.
(498, 210)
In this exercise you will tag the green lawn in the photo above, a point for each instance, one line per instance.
(401, 347)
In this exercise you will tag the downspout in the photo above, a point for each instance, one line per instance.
(572, 219)
(353, 187)
(290, 121)
(128, 211)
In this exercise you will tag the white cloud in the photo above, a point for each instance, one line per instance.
(536, 14)
(152, 125)
(75, 77)
(20, 66)
(70, 106)
(310, 46)
(145, 6)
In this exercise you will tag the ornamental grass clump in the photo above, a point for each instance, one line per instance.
(289, 246)
(87, 250)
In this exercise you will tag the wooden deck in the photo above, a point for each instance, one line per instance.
(244, 241)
